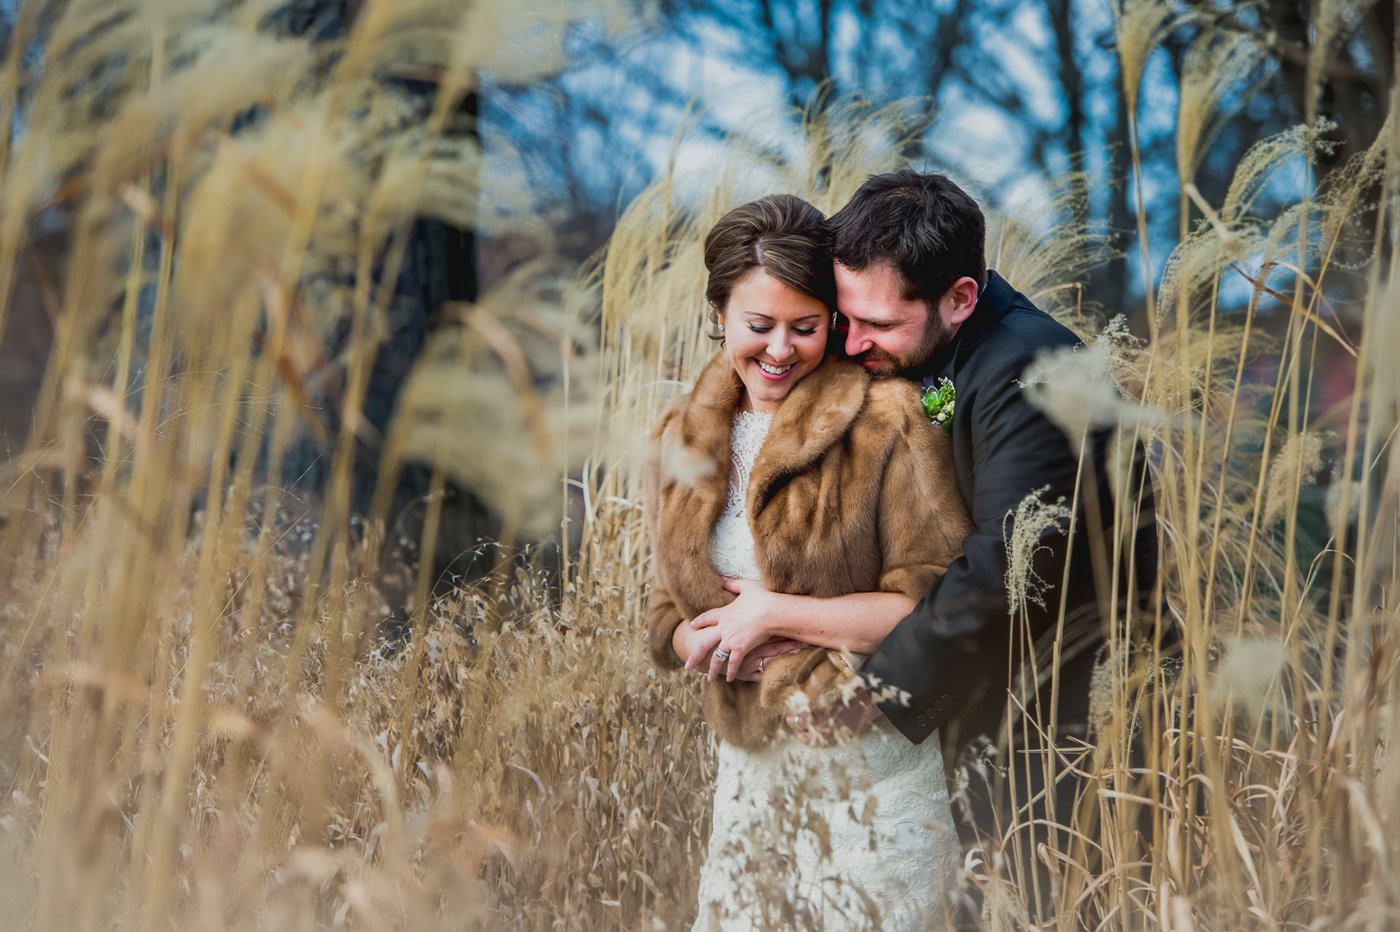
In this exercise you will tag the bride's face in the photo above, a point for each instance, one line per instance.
(773, 336)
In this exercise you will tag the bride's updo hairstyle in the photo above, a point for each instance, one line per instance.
(781, 234)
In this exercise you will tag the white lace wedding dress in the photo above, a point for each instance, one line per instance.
(853, 836)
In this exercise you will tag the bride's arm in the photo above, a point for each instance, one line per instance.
(857, 622)
(689, 642)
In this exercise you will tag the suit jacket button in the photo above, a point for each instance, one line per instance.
(921, 721)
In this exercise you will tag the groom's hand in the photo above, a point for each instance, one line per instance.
(835, 722)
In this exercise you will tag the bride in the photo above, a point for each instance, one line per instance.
(792, 471)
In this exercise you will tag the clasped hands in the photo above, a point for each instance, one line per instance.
(737, 639)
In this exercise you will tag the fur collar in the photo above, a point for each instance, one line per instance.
(815, 414)
(694, 453)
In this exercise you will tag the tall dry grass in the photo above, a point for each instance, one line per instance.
(203, 729)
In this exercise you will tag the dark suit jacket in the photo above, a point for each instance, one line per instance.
(952, 654)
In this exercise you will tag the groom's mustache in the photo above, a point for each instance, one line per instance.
(877, 362)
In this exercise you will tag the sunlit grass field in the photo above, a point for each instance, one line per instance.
(203, 727)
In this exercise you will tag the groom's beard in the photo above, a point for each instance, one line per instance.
(880, 364)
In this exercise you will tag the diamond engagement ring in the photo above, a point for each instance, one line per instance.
(721, 655)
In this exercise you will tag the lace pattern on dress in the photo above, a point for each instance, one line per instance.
(746, 439)
(852, 836)
(878, 804)
(731, 542)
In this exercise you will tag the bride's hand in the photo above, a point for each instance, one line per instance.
(699, 647)
(743, 625)
(694, 647)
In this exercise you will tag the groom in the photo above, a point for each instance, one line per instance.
(912, 282)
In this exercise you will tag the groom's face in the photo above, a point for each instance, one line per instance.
(888, 333)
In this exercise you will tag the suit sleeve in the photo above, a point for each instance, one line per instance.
(951, 653)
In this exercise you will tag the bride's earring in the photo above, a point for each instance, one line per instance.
(833, 319)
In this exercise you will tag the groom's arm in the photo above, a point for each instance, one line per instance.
(951, 654)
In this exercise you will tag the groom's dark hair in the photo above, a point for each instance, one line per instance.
(924, 225)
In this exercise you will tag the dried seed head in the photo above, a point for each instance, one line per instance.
(1076, 389)
(1027, 530)
(1295, 466)
(1248, 674)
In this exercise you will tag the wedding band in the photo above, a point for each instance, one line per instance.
(721, 654)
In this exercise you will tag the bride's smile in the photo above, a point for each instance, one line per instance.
(773, 335)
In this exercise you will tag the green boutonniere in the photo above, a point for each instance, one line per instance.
(938, 402)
